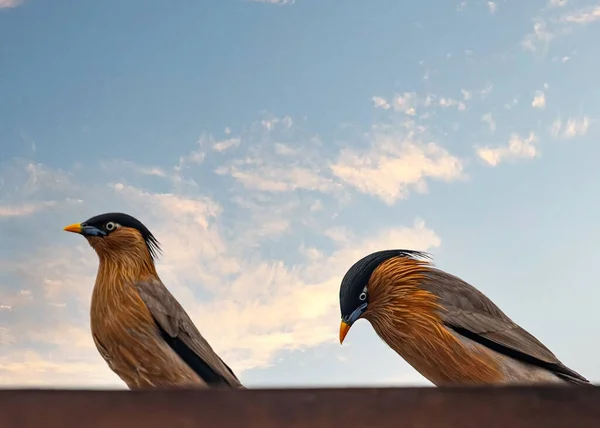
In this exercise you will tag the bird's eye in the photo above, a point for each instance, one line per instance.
(110, 226)
(362, 296)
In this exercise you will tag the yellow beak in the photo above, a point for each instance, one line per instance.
(344, 329)
(75, 228)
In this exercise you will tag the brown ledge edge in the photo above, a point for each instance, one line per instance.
(507, 407)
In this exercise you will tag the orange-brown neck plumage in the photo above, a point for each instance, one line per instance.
(124, 260)
(394, 292)
(123, 252)
(407, 318)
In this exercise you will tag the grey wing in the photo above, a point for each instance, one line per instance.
(183, 337)
(471, 314)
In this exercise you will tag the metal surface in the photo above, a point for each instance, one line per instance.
(577, 407)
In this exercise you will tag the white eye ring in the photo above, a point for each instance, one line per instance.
(362, 296)
(110, 226)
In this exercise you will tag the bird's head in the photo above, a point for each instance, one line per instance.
(356, 294)
(117, 235)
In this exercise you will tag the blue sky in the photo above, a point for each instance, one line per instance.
(269, 145)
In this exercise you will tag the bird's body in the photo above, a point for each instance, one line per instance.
(139, 328)
(442, 326)
(126, 336)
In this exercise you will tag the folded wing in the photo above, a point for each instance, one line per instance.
(471, 314)
(178, 330)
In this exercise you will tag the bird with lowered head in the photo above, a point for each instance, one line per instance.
(442, 326)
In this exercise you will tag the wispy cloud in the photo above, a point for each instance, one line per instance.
(398, 161)
(557, 3)
(492, 6)
(539, 100)
(412, 104)
(487, 118)
(573, 127)
(10, 3)
(518, 147)
(486, 90)
(24, 209)
(554, 23)
(450, 102)
(274, 167)
(408, 102)
(380, 102)
(583, 16)
(539, 38)
(260, 175)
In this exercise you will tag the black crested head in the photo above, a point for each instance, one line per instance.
(359, 274)
(103, 222)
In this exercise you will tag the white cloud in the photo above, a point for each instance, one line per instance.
(269, 165)
(380, 102)
(262, 176)
(487, 118)
(10, 3)
(24, 209)
(30, 368)
(539, 100)
(510, 105)
(410, 103)
(573, 127)
(518, 147)
(557, 3)
(138, 169)
(553, 25)
(486, 90)
(492, 6)
(583, 16)
(539, 38)
(397, 162)
(406, 103)
(555, 128)
(285, 150)
(576, 127)
(223, 145)
(450, 102)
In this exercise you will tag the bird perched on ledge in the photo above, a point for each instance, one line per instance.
(139, 328)
(445, 328)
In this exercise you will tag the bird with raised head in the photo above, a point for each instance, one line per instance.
(139, 328)
(442, 326)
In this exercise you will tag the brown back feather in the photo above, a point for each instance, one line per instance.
(470, 313)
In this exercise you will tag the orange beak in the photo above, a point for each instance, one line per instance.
(75, 228)
(344, 329)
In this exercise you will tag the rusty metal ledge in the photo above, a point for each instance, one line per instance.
(552, 407)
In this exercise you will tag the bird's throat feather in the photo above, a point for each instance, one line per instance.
(115, 296)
